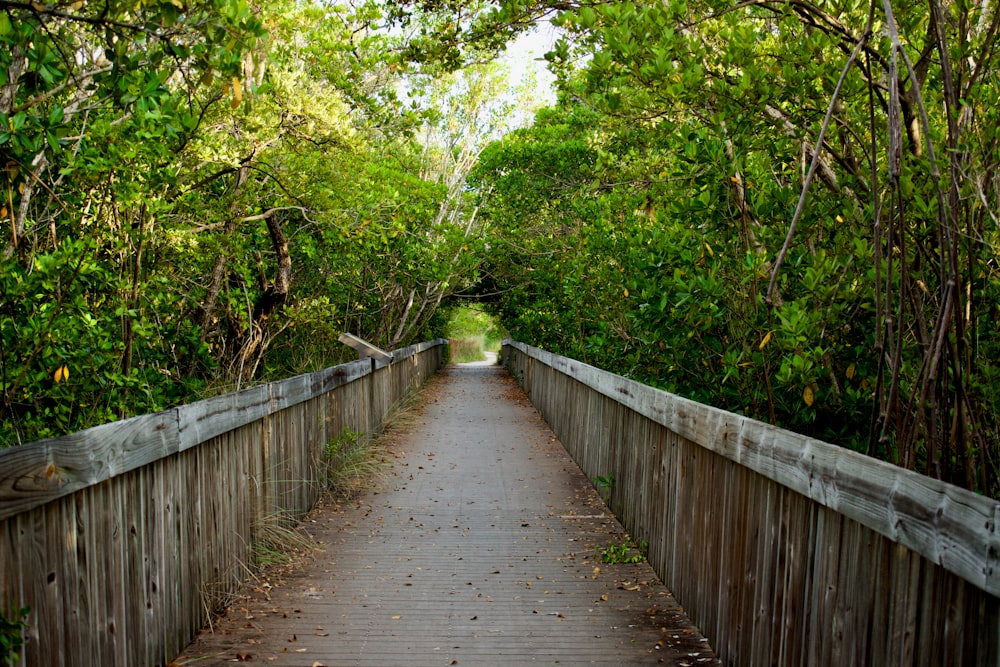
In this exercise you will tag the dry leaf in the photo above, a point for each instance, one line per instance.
(237, 92)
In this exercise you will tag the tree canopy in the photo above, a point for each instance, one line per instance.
(783, 208)
(200, 196)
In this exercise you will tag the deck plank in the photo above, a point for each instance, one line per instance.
(478, 549)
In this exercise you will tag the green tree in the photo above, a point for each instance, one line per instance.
(202, 197)
(93, 104)
(818, 181)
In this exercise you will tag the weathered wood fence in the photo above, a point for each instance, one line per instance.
(783, 550)
(122, 538)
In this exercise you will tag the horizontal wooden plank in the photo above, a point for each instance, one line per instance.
(364, 348)
(34, 474)
(329, 379)
(214, 416)
(948, 525)
(39, 472)
(417, 348)
(291, 391)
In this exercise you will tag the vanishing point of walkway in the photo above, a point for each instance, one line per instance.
(479, 549)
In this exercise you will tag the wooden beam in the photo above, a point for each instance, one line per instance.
(365, 349)
(37, 473)
(950, 526)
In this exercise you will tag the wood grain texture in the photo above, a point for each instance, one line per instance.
(34, 474)
(123, 537)
(482, 555)
(785, 550)
(950, 526)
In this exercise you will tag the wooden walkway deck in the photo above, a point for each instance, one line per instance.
(478, 550)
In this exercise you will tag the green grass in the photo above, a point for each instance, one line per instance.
(275, 540)
(470, 322)
(464, 350)
(353, 462)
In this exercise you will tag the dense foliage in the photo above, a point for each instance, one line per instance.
(199, 196)
(783, 208)
(787, 209)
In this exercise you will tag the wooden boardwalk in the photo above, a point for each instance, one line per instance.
(479, 549)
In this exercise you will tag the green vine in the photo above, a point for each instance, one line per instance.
(10, 636)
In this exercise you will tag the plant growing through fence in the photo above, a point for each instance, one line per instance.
(350, 462)
(605, 485)
(275, 539)
(10, 636)
(624, 552)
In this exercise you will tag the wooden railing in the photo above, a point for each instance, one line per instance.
(124, 537)
(782, 549)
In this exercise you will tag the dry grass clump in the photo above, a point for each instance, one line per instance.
(356, 462)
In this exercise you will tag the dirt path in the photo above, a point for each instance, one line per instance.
(478, 550)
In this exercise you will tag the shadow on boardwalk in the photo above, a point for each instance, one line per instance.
(478, 550)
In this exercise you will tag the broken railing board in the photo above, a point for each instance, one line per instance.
(784, 549)
(364, 348)
(120, 538)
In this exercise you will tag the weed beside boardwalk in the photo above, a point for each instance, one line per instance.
(465, 350)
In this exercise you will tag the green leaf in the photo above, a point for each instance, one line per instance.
(55, 114)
